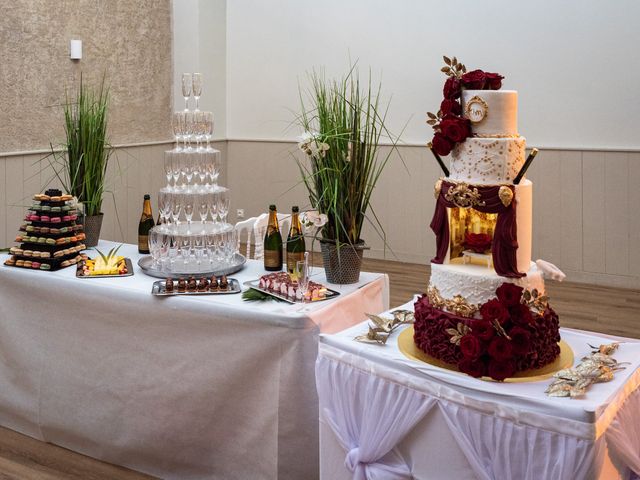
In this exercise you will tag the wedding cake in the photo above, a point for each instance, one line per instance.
(485, 310)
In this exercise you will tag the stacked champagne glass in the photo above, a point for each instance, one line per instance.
(193, 236)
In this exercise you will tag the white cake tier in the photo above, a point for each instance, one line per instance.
(492, 112)
(524, 220)
(487, 161)
(477, 284)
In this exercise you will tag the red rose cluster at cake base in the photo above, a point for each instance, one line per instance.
(505, 337)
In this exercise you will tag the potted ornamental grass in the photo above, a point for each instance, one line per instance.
(81, 163)
(343, 123)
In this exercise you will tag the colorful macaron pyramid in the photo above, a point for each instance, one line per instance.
(50, 237)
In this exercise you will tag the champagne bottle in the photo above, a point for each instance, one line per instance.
(146, 224)
(273, 243)
(295, 241)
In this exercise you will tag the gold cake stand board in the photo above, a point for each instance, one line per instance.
(564, 360)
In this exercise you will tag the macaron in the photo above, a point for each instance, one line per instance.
(35, 264)
(55, 199)
(19, 263)
(30, 228)
(66, 218)
(57, 254)
(45, 218)
(50, 241)
(10, 261)
(66, 263)
(44, 229)
(27, 253)
(27, 263)
(33, 218)
(56, 209)
(45, 266)
(45, 208)
(66, 197)
(55, 220)
(54, 231)
(73, 217)
(42, 240)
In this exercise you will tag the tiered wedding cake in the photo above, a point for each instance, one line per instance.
(485, 309)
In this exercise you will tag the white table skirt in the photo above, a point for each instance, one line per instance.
(185, 388)
(449, 425)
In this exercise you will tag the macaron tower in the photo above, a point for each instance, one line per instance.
(50, 237)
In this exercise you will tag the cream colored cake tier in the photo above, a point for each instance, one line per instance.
(487, 161)
(477, 284)
(524, 220)
(491, 112)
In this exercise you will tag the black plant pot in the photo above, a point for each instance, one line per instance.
(342, 265)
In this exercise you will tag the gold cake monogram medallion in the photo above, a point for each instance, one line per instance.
(476, 109)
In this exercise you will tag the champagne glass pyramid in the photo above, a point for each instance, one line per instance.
(193, 237)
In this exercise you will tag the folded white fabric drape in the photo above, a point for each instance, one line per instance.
(498, 449)
(623, 435)
(355, 405)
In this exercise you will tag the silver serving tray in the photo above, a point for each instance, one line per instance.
(159, 289)
(254, 284)
(128, 274)
(145, 264)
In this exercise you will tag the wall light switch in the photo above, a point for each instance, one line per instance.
(75, 49)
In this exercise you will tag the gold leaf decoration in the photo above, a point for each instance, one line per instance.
(506, 195)
(597, 367)
(382, 327)
(437, 187)
(457, 333)
(464, 196)
(458, 305)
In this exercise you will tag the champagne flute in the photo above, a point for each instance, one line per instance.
(223, 205)
(188, 204)
(168, 168)
(202, 168)
(197, 88)
(208, 128)
(187, 84)
(302, 274)
(203, 206)
(176, 169)
(189, 129)
(177, 128)
(176, 208)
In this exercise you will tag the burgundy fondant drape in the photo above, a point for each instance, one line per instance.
(505, 236)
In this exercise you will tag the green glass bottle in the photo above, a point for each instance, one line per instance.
(273, 243)
(146, 224)
(295, 241)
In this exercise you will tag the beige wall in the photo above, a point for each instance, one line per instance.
(129, 41)
(585, 205)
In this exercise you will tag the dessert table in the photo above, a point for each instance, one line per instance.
(177, 387)
(383, 415)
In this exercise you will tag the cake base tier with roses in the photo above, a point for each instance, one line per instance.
(513, 332)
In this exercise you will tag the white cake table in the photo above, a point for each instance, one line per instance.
(185, 388)
(383, 415)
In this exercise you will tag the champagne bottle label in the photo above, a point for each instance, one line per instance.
(292, 258)
(272, 259)
(143, 243)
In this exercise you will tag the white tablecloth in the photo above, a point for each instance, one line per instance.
(448, 425)
(185, 388)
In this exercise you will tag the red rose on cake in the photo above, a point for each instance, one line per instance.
(456, 129)
(501, 370)
(520, 340)
(474, 80)
(521, 315)
(483, 329)
(452, 88)
(477, 242)
(501, 349)
(509, 294)
(493, 81)
(449, 106)
(494, 310)
(471, 347)
(441, 144)
(475, 368)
